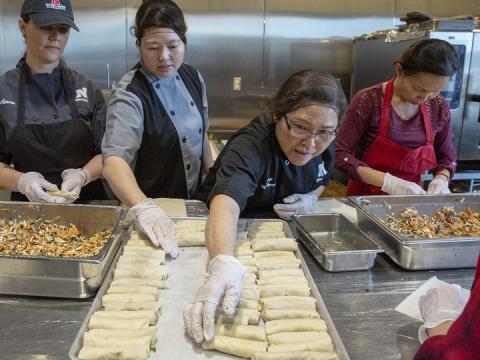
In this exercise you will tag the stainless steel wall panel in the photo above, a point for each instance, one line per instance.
(317, 35)
(12, 45)
(438, 8)
(470, 141)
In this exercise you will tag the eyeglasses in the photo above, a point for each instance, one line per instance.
(301, 132)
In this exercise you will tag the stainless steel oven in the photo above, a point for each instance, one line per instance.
(373, 57)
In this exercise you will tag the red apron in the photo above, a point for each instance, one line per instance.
(387, 156)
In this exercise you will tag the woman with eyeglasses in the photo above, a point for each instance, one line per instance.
(282, 159)
(52, 118)
(156, 143)
(397, 130)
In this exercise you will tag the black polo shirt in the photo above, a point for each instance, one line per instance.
(253, 170)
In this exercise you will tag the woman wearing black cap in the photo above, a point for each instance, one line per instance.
(52, 119)
(155, 142)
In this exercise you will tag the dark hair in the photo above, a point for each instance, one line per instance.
(431, 56)
(25, 18)
(304, 88)
(162, 14)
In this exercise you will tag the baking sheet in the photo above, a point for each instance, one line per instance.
(185, 276)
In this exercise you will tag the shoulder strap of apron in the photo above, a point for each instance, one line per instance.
(386, 106)
(68, 91)
(21, 94)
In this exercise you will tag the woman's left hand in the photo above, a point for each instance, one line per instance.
(73, 181)
(296, 204)
(438, 186)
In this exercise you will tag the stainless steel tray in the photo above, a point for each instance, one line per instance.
(184, 279)
(335, 242)
(56, 276)
(414, 253)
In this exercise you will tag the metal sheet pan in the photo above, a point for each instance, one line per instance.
(56, 276)
(335, 242)
(418, 253)
(184, 279)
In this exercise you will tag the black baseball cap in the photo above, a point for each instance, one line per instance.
(49, 12)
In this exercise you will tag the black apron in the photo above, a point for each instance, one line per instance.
(159, 168)
(51, 148)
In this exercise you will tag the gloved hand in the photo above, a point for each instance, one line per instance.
(444, 303)
(225, 279)
(33, 186)
(393, 185)
(73, 181)
(153, 221)
(296, 204)
(438, 186)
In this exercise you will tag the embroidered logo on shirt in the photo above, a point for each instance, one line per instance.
(6, 102)
(321, 172)
(55, 4)
(82, 95)
(268, 184)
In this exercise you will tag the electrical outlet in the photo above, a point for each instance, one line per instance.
(237, 83)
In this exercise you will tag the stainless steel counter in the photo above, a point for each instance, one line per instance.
(360, 303)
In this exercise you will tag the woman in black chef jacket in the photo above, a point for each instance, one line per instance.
(282, 159)
(155, 143)
(52, 119)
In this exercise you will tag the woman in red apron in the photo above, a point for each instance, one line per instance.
(395, 131)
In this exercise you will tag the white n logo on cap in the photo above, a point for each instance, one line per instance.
(82, 95)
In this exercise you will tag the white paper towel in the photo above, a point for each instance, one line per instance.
(410, 307)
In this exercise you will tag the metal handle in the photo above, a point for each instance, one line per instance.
(108, 76)
(474, 97)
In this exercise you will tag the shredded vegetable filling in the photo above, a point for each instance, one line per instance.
(446, 222)
(45, 238)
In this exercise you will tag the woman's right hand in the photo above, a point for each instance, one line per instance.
(34, 186)
(155, 223)
(393, 185)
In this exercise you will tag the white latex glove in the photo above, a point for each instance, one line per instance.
(33, 185)
(296, 204)
(393, 185)
(73, 181)
(444, 303)
(438, 186)
(153, 221)
(224, 280)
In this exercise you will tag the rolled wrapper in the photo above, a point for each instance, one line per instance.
(268, 315)
(159, 272)
(297, 337)
(126, 333)
(290, 325)
(249, 332)
(108, 298)
(150, 315)
(111, 323)
(158, 283)
(235, 346)
(90, 339)
(120, 289)
(295, 355)
(117, 353)
(132, 306)
(324, 345)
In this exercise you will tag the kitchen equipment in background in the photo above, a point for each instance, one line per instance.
(374, 54)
